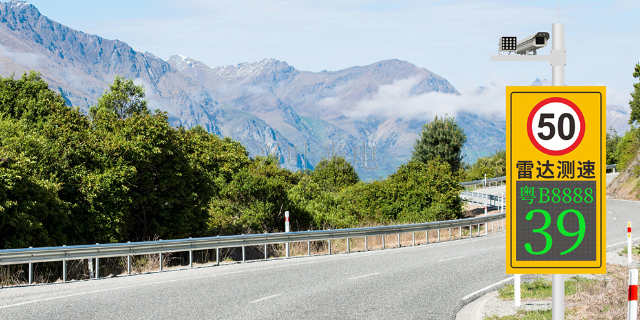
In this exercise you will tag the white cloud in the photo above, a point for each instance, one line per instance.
(395, 100)
(25, 59)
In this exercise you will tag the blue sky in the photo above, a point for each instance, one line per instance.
(453, 39)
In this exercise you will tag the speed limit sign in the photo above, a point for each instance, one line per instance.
(555, 180)
(556, 126)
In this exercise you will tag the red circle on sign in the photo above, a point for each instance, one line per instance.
(574, 144)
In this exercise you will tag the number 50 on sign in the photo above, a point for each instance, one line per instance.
(556, 175)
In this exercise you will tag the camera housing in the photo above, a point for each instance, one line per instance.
(530, 44)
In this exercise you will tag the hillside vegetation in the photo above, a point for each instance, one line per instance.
(625, 151)
(124, 173)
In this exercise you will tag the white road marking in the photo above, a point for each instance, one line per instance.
(362, 254)
(265, 298)
(366, 275)
(611, 245)
(625, 200)
(487, 288)
(451, 258)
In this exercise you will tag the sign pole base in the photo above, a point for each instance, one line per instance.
(557, 297)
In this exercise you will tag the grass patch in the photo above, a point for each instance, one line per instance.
(525, 315)
(635, 251)
(530, 315)
(541, 288)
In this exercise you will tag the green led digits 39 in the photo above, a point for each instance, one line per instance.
(563, 231)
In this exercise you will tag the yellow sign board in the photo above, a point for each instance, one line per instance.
(556, 176)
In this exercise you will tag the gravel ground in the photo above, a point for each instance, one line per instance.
(493, 306)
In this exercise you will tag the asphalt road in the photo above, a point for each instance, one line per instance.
(422, 282)
(425, 282)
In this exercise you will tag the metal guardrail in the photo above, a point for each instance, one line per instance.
(492, 201)
(504, 178)
(33, 255)
(64, 253)
(483, 181)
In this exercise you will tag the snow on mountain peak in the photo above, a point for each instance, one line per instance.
(18, 3)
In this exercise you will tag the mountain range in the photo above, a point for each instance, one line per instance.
(269, 106)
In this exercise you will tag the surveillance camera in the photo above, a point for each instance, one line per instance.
(531, 43)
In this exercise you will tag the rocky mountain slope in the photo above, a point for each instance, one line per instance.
(269, 106)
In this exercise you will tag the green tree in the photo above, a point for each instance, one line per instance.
(493, 166)
(612, 145)
(417, 192)
(334, 174)
(29, 98)
(627, 148)
(31, 212)
(441, 138)
(255, 199)
(124, 98)
(634, 103)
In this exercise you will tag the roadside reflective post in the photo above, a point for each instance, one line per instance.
(286, 229)
(629, 260)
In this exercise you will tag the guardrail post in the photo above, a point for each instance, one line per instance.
(449, 233)
(348, 246)
(486, 228)
(478, 229)
(191, 256)
(160, 254)
(427, 234)
(329, 246)
(414, 238)
(64, 268)
(366, 245)
(383, 241)
(399, 244)
(97, 265)
(438, 235)
(470, 231)
(309, 248)
(265, 251)
(30, 271)
(129, 261)
(243, 254)
(217, 256)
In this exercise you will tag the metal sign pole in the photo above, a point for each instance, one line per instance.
(557, 79)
